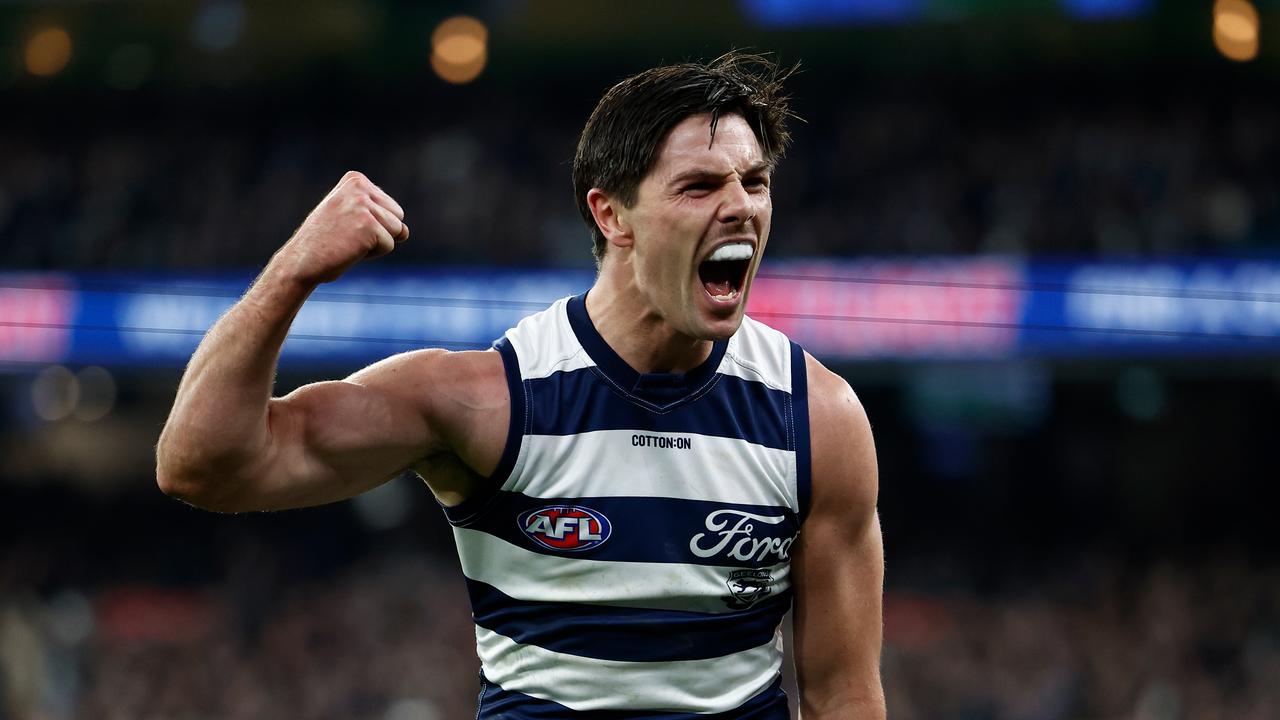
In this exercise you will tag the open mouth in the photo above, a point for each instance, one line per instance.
(725, 272)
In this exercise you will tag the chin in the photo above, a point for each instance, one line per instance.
(721, 328)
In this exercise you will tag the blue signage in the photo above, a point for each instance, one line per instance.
(889, 308)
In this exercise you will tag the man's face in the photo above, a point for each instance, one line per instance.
(700, 223)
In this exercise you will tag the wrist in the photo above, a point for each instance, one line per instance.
(278, 287)
(288, 270)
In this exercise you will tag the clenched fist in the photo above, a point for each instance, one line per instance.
(356, 220)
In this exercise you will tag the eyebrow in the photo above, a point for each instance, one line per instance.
(703, 174)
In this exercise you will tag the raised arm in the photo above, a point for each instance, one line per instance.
(838, 571)
(228, 445)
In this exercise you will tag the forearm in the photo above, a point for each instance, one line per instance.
(219, 420)
(226, 443)
(866, 708)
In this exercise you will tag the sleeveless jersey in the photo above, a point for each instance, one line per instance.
(631, 556)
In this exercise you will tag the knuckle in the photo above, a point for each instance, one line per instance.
(356, 185)
(353, 203)
(362, 223)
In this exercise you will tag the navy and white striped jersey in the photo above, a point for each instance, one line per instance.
(632, 557)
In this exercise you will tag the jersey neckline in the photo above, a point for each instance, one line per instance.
(662, 389)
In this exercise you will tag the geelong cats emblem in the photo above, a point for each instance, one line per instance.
(747, 587)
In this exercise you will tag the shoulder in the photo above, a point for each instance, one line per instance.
(832, 398)
(542, 342)
(410, 373)
(758, 352)
(456, 392)
(843, 453)
(755, 339)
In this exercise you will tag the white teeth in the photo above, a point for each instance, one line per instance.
(733, 294)
(732, 251)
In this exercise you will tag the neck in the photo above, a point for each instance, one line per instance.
(623, 316)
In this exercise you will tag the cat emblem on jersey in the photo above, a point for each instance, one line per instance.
(748, 587)
(568, 528)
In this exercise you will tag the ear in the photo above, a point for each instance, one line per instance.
(610, 218)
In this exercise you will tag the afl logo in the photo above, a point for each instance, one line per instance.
(572, 528)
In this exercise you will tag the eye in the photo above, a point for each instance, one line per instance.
(756, 182)
(697, 189)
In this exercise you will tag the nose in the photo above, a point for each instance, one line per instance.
(737, 208)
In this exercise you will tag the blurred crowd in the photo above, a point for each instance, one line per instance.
(1094, 565)
(386, 639)
(1014, 171)
(389, 638)
(1096, 639)
(389, 643)
(105, 612)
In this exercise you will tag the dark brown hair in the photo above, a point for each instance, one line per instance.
(620, 142)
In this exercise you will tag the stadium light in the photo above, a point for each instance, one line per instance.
(1235, 29)
(459, 49)
(97, 393)
(48, 52)
(54, 393)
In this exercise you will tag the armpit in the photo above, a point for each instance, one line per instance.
(449, 479)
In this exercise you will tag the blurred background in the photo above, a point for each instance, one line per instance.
(1041, 238)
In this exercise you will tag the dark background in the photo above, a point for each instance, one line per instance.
(1065, 537)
